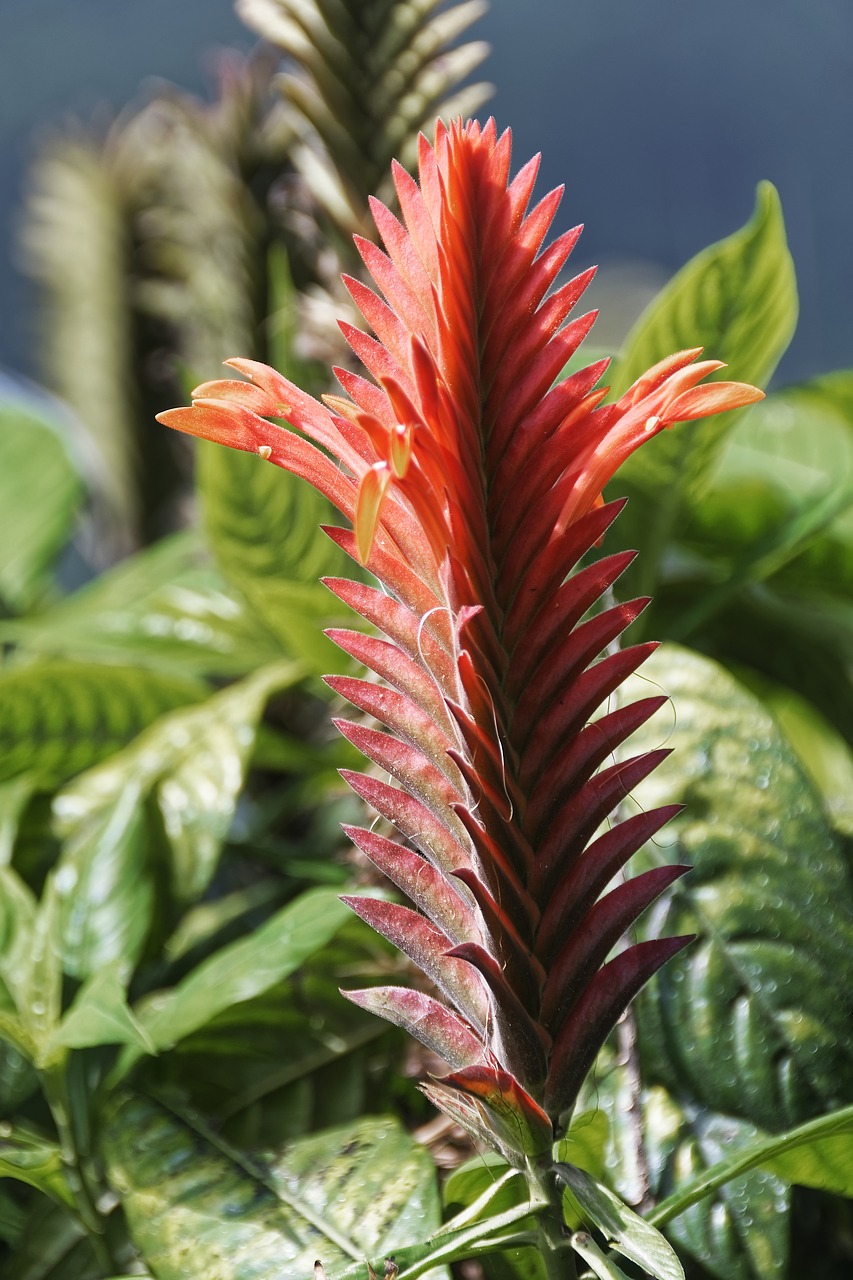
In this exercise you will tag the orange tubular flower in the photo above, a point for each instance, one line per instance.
(473, 483)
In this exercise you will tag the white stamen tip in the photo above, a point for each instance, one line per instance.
(652, 422)
(265, 451)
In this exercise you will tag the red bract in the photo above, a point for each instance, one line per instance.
(473, 482)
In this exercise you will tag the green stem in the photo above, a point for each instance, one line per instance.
(553, 1239)
(55, 1088)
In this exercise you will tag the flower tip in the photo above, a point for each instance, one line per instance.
(711, 398)
(368, 505)
(184, 419)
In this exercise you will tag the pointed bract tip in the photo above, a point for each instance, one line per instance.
(371, 492)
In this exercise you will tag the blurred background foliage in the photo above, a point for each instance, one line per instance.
(170, 852)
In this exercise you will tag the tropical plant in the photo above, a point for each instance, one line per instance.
(182, 1088)
(473, 486)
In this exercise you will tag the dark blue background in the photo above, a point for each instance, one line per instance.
(659, 115)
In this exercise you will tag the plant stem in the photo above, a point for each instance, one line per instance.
(55, 1088)
(553, 1239)
(626, 1035)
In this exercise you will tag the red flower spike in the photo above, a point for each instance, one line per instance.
(473, 483)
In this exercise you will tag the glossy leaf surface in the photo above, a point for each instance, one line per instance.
(740, 1231)
(817, 1154)
(193, 762)
(100, 1015)
(631, 1235)
(164, 608)
(243, 969)
(738, 300)
(751, 1020)
(195, 1206)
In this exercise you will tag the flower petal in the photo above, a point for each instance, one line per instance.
(714, 397)
(371, 491)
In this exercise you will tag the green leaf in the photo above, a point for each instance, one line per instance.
(820, 749)
(262, 522)
(30, 1157)
(15, 795)
(53, 1246)
(604, 1267)
(781, 505)
(751, 1020)
(17, 921)
(610, 1096)
(585, 1144)
(203, 758)
(628, 1233)
(13, 1033)
(196, 1207)
(18, 1080)
(294, 1058)
(758, 570)
(817, 1154)
(263, 525)
(12, 1219)
(741, 1232)
(193, 763)
(100, 1015)
(484, 1188)
(77, 245)
(40, 492)
(738, 300)
(766, 556)
(41, 982)
(104, 877)
(59, 718)
(241, 971)
(163, 608)
(207, 919)
(803, 642)
(799, 441)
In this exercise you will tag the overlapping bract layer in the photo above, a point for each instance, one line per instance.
(473, 482)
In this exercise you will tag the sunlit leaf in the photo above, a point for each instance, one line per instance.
(489, 1183)
(585, 1144)
(14, 797)
(39, 495)
(17, 920)
(99, 1015)
(193, 762)
(242, 970)
(194, 1205)
(738, 300)
(742, 1230)
(163, 608)
(818, 1153)
(40, 992)
(629, 1234)
(603, 1266)
(752, 1019)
